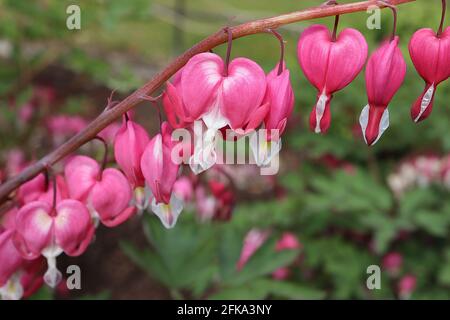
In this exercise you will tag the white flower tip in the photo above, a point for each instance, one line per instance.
(168, 213)
(52, 277)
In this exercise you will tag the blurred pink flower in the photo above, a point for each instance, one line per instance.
(406, 286)
(288, 241)
(183, 189)
(15, 162)
(392, 262)
(26, 112)
(65, 125)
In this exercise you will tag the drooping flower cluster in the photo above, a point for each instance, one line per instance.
(234, 97)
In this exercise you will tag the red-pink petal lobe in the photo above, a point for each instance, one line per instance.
(385, 72)
(430, 54)
(34, 228)
(256, 118)
(111, 196)
(81, 174)
(199, 81)
(73, 227)
(159, 169)
(242, 91)
(129, 144)
(313, 51)
(152, 162)
(347, 58)
(331, 64)
(10, 258)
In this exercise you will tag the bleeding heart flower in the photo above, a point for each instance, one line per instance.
(280, 97)
(107, 193)
(160, 171)
(41, 229)
(10, 257)
(230, 94)
(330, 65)
(129, 145)
(430, 56)
(385, 72)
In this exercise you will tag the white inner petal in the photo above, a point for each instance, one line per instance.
(52, 276)
(364, 119)
(214, 118)
(263, 151)
(426, 99)
(320, 109)
(204, 156)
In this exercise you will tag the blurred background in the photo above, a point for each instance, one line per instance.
(309, 232)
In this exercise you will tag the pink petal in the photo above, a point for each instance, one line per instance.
(110, 197)
(430, 53)
(10, 258)
(73, 227)
(81, 174)
(34, 227)
(243, 91)
(199, 82)
(175, 110)
(159, 170)
(31, 190)
(327, 64)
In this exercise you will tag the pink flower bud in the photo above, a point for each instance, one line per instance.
(10, 257)
(385, 72)
(41, 229)
(280, 97)
(129, 145)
